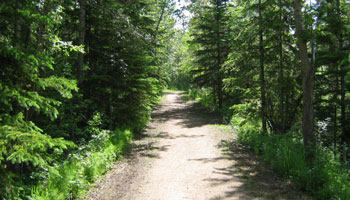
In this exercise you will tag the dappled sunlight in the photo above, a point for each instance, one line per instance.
(187, 151)
(245, 176)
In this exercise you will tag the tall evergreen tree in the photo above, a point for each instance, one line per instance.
(30, 87)
(210, 43)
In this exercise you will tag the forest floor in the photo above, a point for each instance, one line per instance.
(184, 154)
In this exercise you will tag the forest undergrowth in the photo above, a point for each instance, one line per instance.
(77, 80)
(70, 178)
(326, 178)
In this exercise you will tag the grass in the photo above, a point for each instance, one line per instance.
(73, 177)
(222, 127)
(170, 90)
(203, 96)
(185, 97)
(325, 179)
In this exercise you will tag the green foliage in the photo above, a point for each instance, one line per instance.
(326, 179)
(29, 145)
(210, 44)
(123, 80)
(71, 178)
(185, 97)
(327, 37)
(281, 65)
(177, 65)
(55, 94)
(29, 87)
(204, 96)
(48, 96)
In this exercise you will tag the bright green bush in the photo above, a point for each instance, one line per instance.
(71, 178)
(326, 179)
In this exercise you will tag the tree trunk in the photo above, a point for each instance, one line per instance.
(220, 97)
(343, 123)
(160, 20)
(345, 138)
(335, 127)
(82, 29)
(308, 84)
(262, 71)
(219, 54)
(335, 107)
(18, 28)
(281, 84)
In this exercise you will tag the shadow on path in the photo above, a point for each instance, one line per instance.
(186, 115)
(249, 177)
(190, 115)
(256, 180)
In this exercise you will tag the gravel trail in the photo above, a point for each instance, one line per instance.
(183, 155)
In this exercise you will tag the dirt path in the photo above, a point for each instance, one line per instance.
(183, 156)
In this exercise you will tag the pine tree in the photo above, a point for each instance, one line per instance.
(29, 87)
(210, 44)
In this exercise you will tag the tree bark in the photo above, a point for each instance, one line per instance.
(345, 138)
(160, 19)
(308, 84)
(262, 71)
(281, 76)
(218, 46)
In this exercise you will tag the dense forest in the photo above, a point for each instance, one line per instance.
(79, 78)
(76, 78)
